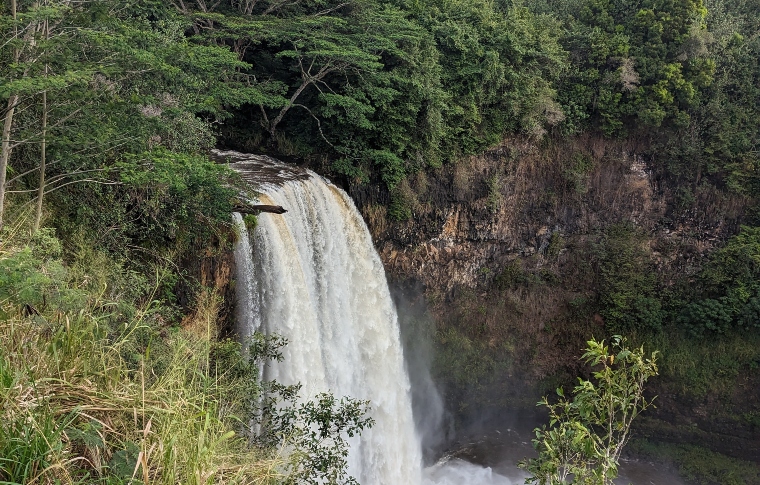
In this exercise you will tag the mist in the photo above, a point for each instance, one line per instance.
(434, 424)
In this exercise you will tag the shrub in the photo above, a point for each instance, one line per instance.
(706, 315)
(729, 289)
(627, 282)
(93, 393)
(586, 435)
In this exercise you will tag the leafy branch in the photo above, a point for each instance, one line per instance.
(586, 435)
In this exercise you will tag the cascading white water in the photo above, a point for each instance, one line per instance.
(320, 284)
(314, 277)
(248, 316)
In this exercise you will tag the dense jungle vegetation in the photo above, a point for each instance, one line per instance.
(106, 191)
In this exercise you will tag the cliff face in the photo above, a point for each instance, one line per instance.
(506, 247)
(210, 268)
(513, 201)
(510, 252)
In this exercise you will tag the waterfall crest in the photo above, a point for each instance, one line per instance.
(316, 279)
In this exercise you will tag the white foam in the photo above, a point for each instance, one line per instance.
(460, 472)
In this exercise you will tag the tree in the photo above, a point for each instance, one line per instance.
(18, 40)
(586, 435)
(721, 145)
(384, 88)
(319, 47)
(634, 63)
(36, 40)
(312, 433)
(728, 289)
(43, 143)
(498, 63)
(114, 80)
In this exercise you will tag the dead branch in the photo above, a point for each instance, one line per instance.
(258, 209)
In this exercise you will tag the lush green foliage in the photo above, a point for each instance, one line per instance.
(135, 92)
(700, 465)
(123, 393)
(99, 386)
(728, 295)
(314, 432)
(116, 84)
(93, 393)
(385, 88)
(723, 297)
(586, 435)
(720, 144)
(627, 284)
(381, 88)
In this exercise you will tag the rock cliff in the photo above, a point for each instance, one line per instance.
(505, 247)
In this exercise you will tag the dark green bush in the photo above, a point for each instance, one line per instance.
(729, 288)
(706, 315)
(627, 284)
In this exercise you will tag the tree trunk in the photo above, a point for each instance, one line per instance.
(43, 148)
(273, 127)
(5, 151)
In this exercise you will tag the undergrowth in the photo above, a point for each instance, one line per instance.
(700, 465)
(98, 386)
(700, 367)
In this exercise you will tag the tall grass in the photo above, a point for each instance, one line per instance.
(700, 465)
(702, 367)
(96, 387)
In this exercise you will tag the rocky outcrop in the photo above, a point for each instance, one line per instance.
(511, 202)
(210, 268)
(502, 248)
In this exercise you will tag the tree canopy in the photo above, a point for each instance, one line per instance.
(379, 89)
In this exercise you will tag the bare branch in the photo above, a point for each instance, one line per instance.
(99, 182)
(319, 124)
(179, 5)
(27, 173)
(54, 178)
(280, 5)
(332, 9)
(95, 181)
(59, 122)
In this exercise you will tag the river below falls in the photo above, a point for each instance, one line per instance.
(501, 448)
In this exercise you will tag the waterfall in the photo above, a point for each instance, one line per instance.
(313, 276)
(319, 283)
(247, 314)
